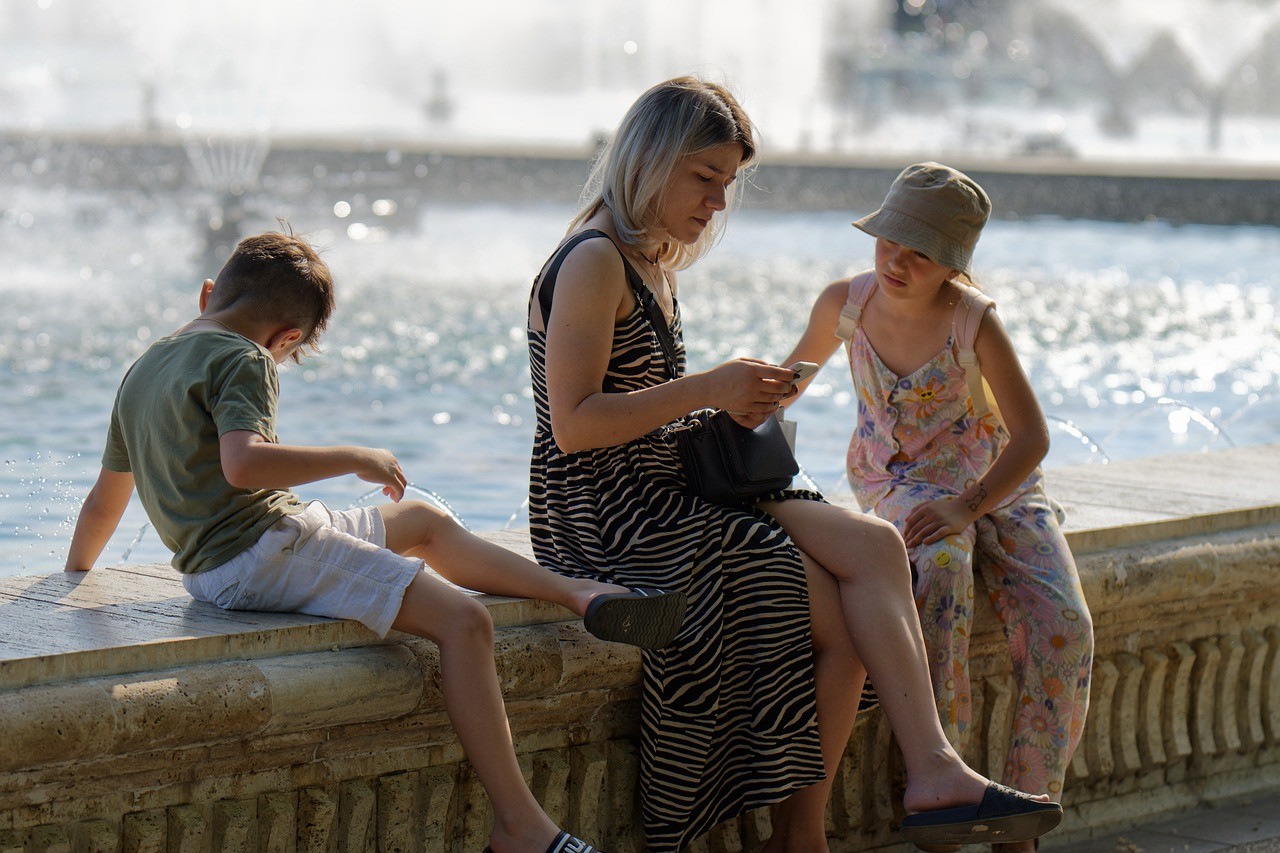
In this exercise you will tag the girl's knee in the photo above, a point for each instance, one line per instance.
(948, 562)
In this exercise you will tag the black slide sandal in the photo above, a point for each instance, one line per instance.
(648, 618)
(1004, 815)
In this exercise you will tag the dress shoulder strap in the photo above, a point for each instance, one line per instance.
(860, 287)
(546, 279)
(964, 329)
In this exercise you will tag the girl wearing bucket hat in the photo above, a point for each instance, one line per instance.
(958, 476)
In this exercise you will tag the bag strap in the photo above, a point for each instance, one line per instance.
(653, 313)
(860, 287)
(964, 329)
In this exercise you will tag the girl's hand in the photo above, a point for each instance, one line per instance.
(749, 388)
(934, 520)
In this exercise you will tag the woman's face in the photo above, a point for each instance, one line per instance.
(697, 191)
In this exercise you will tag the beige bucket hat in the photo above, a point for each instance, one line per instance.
(934, 209)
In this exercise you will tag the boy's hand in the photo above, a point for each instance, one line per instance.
(380, 466)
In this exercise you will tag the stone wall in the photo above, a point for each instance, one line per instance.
(350, 750)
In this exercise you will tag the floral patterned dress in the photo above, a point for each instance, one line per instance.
(917, 439)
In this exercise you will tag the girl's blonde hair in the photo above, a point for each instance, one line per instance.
(672, 120)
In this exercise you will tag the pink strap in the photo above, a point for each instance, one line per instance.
(860, 287)
(968, 318)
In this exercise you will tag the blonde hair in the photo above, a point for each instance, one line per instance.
(671, 120)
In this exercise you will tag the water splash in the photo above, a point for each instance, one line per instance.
(431, 496)
(1178, 415)
(1094, 448)
(137, 538)
(522, 511)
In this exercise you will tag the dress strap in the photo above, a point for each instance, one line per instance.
(964, 330)
(860, 287)
(546, 280)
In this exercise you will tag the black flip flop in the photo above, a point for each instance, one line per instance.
(648, 618)
(1004, 815)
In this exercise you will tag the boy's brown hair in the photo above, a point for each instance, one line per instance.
(281, 276)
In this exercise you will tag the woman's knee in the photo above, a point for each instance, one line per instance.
(885, 543)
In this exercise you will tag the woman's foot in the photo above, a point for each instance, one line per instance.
(1004, 815)
(1019, 847)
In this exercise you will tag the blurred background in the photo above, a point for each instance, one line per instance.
(1180, 78)
(435, 152)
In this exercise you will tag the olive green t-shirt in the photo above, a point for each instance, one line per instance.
(174, 403)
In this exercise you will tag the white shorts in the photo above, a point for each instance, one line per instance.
(318, 562)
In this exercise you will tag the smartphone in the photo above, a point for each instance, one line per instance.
(803, 370)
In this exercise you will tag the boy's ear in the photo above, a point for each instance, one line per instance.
(284, 340)
(205, 290)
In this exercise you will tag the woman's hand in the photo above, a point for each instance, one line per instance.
(934, 520)
(749, 389)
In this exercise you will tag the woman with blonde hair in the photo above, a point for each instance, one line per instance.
(791, 601)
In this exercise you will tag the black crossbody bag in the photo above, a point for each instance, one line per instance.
(724, 462)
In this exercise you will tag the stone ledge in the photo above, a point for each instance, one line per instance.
(134, 618)
(135, 719)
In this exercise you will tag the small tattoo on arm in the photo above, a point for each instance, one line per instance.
(976, 500)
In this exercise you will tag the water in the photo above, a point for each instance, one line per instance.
(1142, 338)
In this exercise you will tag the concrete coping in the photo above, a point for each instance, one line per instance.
(58, 626)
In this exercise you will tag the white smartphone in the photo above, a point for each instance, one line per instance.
(803, 370)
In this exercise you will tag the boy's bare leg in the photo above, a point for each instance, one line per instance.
(461, 627)
(421, 530)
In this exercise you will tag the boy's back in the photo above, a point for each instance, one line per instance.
(174, 404)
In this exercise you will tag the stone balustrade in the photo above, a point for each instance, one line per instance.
(133, 719)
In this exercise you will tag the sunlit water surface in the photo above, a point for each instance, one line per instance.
(1139, 338)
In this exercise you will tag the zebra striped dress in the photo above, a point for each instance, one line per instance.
(728, 716)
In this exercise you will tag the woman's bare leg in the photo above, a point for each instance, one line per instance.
(867, 559)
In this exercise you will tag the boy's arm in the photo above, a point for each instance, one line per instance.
(99, 518)
(249, 461)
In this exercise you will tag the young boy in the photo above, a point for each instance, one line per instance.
(193, 428)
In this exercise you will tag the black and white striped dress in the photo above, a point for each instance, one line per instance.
(728, 719)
